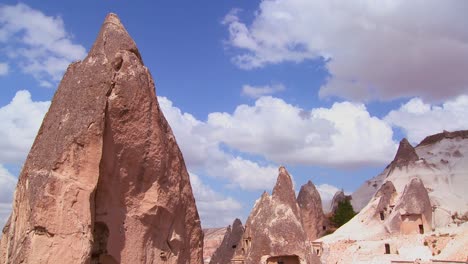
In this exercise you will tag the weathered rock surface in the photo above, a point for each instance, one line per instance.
(432, 139)
(274, 227)
(405, 155)
(105, 181)
(415, 205)
(312, 216)
(386, 195)
(339, 197)
(232, 240)
(212, 239)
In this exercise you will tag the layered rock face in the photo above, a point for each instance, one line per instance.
(274, 230)
(105, 181)
(232, 240)
(310, 205)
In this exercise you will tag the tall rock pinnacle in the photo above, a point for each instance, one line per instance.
(310, 205)
(105, 181)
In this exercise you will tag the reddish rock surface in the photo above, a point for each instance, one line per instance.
(232, 239)
(212, 239)
(310, 204)
(274, 227)
(105, 181)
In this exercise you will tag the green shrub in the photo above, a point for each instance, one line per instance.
(343, 214)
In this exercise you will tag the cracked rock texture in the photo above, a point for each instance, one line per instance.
(105, 181)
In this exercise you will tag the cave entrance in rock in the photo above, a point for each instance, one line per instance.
(292, 259)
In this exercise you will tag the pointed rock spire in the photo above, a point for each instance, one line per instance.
(310, 204)
(405, 154)
(274, 220)
(284, 189)
(231, 241)
(105, 181)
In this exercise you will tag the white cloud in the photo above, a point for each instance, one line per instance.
(203, 152)
(7, 188)
(4, 68)
(259, 91)
(372, 50)
(37, 43)
(288, 134)
(19, 122)
(215, 210)
(326, 192)
(419, 119)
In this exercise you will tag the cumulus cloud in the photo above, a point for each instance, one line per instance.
(19, 122)
(419, 119)
(4, 68)
(215, 209)
(383, 50)
(203, 153)
(37, 43)
(288, 134)
(7, 187)
(259, 91)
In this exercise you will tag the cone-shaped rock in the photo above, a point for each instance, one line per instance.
(273, 231)
(232, 239)
(405, 154)
(413, 211)
(105, 181)
(310, 205)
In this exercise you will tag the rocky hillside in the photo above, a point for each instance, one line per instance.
(419, 197)
(440, 161)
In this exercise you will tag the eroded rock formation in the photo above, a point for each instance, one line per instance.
(232, 240)
(274, 231)
(310, 204)
(405, 155)
(413, 210)
(105, 181)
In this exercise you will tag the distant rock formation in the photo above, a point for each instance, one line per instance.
(105, 181)
(405, 154)
(432, 139)
(274, 232)
(212, 239)
(339, 197)
(413, 211)
(232, 240)
(310, 205)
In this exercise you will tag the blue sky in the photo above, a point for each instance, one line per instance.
(327, 90)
